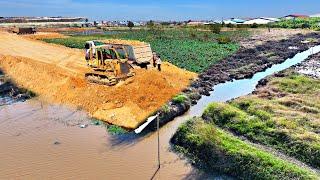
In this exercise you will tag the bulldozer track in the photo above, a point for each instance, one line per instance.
(101, 79)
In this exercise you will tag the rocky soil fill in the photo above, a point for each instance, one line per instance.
(310, 67)
(246, 62)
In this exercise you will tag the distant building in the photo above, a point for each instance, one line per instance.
(195, 23)
(315, 15)
(293, 16)
(136, 23)
(262, 20)
(211, 23)
(41, 19)
(234, 21)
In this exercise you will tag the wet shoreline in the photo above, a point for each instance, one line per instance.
(242, 65)
(10, 93)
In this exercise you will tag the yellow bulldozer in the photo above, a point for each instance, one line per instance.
(109, 63)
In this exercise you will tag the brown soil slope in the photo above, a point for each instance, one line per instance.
(45, 35)
(56, 74)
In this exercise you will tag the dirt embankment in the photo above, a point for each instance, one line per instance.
(56, 74)
(45, 35)
(310, 67)
(260, 55)
(248, 61)
(64, 29)
(261, 36)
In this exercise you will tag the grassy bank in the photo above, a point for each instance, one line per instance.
(284, 115)
(186, 48)
(214, 149)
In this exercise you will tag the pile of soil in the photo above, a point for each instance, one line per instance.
(56, 74)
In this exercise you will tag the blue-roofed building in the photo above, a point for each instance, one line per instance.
(234, 21)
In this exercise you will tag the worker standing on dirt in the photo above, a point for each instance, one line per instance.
(158, 61)
(154, 59)
(87, 47)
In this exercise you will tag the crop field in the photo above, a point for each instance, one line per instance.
(304, 23)
(188, 49)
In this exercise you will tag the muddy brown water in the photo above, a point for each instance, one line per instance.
(41, 141)
(44, 141)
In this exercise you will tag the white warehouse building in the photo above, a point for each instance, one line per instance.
(261, 20)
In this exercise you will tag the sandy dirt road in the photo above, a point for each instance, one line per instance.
(66, 58)
(56, 74)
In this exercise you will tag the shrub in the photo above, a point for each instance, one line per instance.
(215, 28)
(179, 99)
(305, 26)
(254, 25)
(130, 24)
(165, 108)
(221, 113)
(223, 40)
(193, 35)
(230, 25)
(116, 130)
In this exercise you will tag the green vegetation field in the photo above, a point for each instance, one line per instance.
(284, 115)
(312, 23)
(186, 48)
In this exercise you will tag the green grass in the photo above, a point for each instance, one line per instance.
(215, 150)
(181, 98)
(289, 123)
(116, 130)
(186, 48)
(298, 84)
(312, 23)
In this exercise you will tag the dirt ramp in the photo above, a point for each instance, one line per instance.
(126, 104)
(71, 60)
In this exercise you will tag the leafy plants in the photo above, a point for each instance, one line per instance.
(223, 40)
(303, 23)
(194, 53)
(181, 98)
(215, 28)
(115, 130)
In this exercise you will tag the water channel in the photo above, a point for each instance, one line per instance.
(44, 141)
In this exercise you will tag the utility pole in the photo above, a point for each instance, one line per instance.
(158, 142)
(142, 127)
(159, 164)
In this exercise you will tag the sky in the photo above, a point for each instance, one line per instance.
(158, 10)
